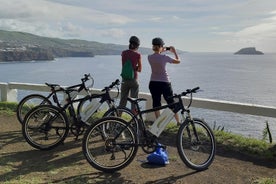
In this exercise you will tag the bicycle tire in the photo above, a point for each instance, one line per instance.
(104, 151)
(29, 102)
(125, 114)
(197, 154)
(42, 135)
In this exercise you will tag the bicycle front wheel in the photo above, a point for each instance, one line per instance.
(196, 144)
(28, 103)
(45, 127)
(111, 148)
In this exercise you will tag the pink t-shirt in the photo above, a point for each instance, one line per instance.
(134, 57)
(158, 67)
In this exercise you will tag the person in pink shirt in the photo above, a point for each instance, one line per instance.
(160, 83)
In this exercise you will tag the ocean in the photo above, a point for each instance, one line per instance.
(221, 76)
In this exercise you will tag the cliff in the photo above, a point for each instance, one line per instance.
(15, 54)
(249, 51)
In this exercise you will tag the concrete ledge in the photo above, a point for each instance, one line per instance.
(9, 93)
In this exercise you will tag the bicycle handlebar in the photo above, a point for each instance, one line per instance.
(115, 83)
(82, 85)
(86, 77)
(188, 91)
(71, 88)
(194, 90)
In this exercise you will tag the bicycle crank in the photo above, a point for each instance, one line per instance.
(77, 130)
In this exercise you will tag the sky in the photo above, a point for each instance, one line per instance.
(188, 25)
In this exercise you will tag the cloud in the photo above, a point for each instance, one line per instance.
(196, 23)
(40, 10)
(114, 32)
(263, 30)
(54, 19)
(259, 32)
(156, 19)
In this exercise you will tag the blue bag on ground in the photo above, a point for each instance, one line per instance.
(159, 157)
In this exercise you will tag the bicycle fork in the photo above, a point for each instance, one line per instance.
(191, 130)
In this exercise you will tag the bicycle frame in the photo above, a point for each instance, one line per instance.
(63, 103)
(96, 104)
(175, 107)
(161, 122)
(92, 107)
(54, 91)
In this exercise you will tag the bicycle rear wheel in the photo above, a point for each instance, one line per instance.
(111, 148)
(196, 144)
(45, 127)
(29, 102)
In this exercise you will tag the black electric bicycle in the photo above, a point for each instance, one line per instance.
(111, 143)
(33, 100)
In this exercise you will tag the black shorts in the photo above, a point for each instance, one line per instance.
(157, 89)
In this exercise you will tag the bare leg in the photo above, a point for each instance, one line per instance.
(176, 116)
(157, 114)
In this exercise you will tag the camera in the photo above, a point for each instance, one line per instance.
(168, 48)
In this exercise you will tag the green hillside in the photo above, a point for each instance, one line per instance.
(20, 46)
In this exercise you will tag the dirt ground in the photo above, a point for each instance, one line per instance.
(20, 163)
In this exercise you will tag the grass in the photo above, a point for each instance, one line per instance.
(264, 181)
(8, 108)
(249, 146)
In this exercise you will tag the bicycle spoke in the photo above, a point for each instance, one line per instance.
(109, 145)
(196, 145)
(28, 103)
(45, 127)
(126, 114)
